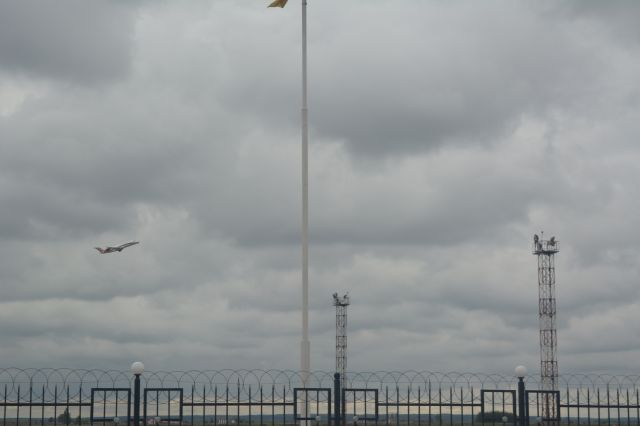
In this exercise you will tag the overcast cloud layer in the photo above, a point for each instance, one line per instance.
(443, 136)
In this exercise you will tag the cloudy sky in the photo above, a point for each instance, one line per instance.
(443, 136)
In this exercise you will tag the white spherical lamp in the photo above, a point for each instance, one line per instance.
(137, 368)
(521, 371)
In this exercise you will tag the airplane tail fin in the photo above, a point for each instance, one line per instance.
(100, 250)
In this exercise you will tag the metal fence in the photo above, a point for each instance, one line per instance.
(248, 397)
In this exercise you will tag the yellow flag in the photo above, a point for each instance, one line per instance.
(278, 3)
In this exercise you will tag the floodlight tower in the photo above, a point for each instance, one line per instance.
(341, 304)
(546, 250)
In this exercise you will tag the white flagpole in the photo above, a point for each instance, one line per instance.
(305, 346)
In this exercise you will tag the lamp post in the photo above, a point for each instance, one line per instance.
(521, 373)
(137, 368)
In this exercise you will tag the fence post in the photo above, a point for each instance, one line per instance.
(521, 372)
(336, 400)
(136, 368)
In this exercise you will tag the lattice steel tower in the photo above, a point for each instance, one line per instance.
(341, 304)
(546, 250)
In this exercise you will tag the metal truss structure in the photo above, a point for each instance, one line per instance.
(341, 303)
(545, 250)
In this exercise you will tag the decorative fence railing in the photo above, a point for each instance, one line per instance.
(253, 397)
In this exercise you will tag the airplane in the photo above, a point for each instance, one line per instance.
(118, 248)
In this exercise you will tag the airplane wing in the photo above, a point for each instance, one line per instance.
(125, 245)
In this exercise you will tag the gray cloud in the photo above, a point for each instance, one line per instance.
(72, 40)
(382, 90)
(618, 19)
(443, 137)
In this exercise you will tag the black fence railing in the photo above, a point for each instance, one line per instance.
(254, 397)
